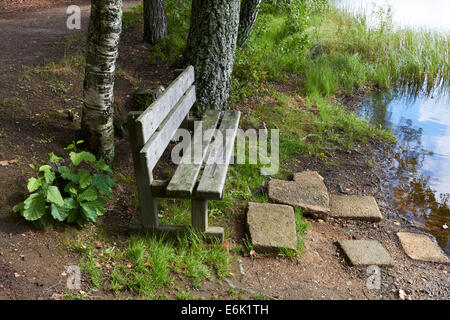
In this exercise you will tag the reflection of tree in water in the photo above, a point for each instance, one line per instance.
(412, 192)
(419, 201)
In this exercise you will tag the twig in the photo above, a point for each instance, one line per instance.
(318, 122)
(308, 136)
(250, 291)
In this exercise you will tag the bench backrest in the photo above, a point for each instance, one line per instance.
(156, 126)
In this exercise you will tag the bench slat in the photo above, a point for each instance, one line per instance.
(213, 178)
(155, 146)
(184, 179)
(153, 116)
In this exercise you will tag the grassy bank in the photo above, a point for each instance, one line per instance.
(342, 52)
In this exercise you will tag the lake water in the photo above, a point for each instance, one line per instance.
(420, 174)
(420, 185)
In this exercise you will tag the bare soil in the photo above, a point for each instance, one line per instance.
(32, 261)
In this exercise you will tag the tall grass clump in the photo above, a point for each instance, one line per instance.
(347, 53)
(278, 42)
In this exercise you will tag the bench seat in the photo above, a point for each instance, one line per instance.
(213, 139)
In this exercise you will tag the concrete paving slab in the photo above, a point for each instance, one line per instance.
(420, 247)
(307, 191)
(272, 227)
(355, 207)
(365, 253)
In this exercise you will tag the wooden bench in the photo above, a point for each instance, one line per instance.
(150, 133)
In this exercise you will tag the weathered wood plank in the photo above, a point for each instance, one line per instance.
(159, 190)
(155, 146)
(144, 178)
(185, 177)
(152, 117)
(213, 178)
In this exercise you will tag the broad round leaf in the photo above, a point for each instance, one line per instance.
(85, 178)
(45, 168)
(59, 213)
(81, 156)
(103, 183)
(49, 176)
(54, 196)
(54, 158)
(34, 207)
(34, 184)
(89, 212)
(90, 194)
(67, 174)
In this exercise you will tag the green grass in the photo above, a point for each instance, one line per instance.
(132, 17)
(318, 126)
(302, 226)
(149, 266)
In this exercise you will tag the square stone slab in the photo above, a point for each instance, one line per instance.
(420, 247)
(365, 253)
(355, 207)
(307, 191)
(271, 226)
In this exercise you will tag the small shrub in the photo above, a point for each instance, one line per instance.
(67, 193)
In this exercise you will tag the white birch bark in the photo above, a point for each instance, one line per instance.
(105, 26)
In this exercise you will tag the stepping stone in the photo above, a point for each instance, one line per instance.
(365, 253)
(420, 247)
(307, 191)
(355, 207)
(271, 226)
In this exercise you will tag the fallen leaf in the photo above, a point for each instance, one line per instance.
(5, 163)
(57, 296)
(402, 294)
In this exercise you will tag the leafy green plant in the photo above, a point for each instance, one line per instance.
(67, 193)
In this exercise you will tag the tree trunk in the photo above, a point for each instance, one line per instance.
(105, 26)
(247, 18)
(211, 48)
(155, 23)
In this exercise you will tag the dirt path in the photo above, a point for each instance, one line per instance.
(31, 261)
(28, 37)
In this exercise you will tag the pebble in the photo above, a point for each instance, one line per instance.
(401, 294)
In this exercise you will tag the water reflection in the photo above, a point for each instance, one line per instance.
(428, 14)
(420, 119)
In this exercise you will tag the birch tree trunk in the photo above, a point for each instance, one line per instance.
(211, 48)
(247, 19)
(105, 26)
(155, 22)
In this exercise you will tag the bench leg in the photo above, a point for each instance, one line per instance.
(200, 222)
(149, 213)
(199, 212)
